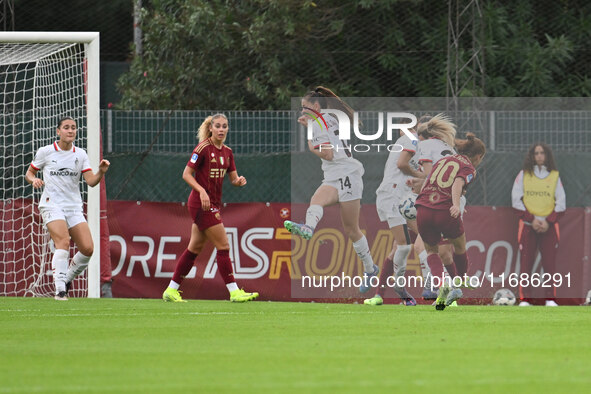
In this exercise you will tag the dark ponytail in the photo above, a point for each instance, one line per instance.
(471, 146)
(320, 95)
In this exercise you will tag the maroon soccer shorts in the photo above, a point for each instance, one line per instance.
(435, 223)
(205, 219)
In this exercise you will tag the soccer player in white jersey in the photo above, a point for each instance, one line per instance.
(342, 184)
(400, 166)
(62, 164)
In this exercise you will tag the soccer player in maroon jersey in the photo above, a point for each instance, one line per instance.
(205, 172)
(438, 209)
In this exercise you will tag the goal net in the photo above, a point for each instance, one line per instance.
(43, 76)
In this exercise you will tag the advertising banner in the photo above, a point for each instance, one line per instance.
(147, 238)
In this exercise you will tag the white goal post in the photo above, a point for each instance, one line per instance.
(43, 76)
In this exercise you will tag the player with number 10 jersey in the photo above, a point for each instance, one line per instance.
(438, 209)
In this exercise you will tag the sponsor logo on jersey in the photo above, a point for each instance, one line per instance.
(194, 157)
(64, 172)
(542, 193)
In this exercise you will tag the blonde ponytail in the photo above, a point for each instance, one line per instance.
(441, 127)
(204, 130)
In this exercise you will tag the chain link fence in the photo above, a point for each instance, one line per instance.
(149, 150)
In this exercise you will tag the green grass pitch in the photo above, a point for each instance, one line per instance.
(148, 346)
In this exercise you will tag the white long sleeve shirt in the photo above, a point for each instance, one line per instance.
(540, 172)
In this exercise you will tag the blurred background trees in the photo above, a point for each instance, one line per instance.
(255, 54)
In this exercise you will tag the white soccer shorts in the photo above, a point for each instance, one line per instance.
(71, 217)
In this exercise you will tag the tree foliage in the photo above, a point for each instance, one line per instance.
(256, 54)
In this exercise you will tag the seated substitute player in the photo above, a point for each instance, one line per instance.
(342, 184)
(539, 200)
(60, 205)
(400, 165)
(205, 171)
(438, 209)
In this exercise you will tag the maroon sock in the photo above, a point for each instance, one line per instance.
(225, 266)
(387, 271)
(183, 266)
(435, 265)
(461, 262)
(452, 269)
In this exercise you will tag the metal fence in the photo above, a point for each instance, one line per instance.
(149, 150)
(253, 132)
(176, 131)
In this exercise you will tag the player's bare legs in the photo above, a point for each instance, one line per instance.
(80, 234)
(350, 219)
(325, 196)
(197, 240)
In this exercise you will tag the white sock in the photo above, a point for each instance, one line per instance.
(423, 262)
(232, 286)
(80, 264)
(425, 270)
(174, 285)
(59, 264)
(400, 256)
(313, 215)
(362, 249)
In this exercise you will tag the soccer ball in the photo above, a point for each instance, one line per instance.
(407, 207)
(504, 297)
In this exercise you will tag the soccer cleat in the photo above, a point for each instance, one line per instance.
(172, 295)
(409, 301)
(454, 294)
(524, 303)
(440, 301)
(302, 230)
(375, 300)
(551, 303)
(240, 295)
(454, 304)
(68, 286)
(61, 296)
(429, 294)
(365, 286)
